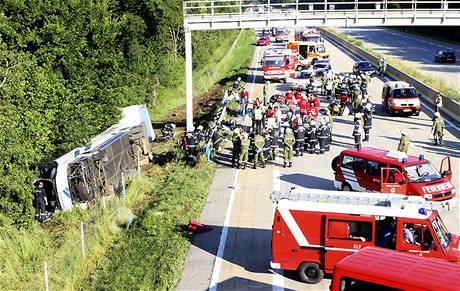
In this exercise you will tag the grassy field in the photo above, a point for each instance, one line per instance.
(150, 255)
(428, 79)
(223, 63)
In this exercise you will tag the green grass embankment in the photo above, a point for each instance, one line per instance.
(428, 79)
(149, 256)
(223, 63)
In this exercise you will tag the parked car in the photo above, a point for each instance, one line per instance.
(301, 81)
(364, 67)
(322, 67)
(445, 56)
(263, 41)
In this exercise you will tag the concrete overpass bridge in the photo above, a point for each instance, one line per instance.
(239, 14)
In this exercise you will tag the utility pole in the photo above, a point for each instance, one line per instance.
(188, 77)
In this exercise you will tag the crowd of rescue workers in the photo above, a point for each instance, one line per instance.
(294, 121)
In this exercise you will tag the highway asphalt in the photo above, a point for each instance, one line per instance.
(417, 50)
(236, 253)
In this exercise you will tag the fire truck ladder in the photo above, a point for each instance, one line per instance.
(357, 198)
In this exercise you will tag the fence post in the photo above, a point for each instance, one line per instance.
(82, 227)
(45, 267)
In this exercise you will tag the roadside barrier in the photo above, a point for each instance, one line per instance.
(450, 107)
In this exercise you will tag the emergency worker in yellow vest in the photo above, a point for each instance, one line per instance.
(288, 141)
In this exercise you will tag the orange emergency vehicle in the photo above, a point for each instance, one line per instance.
(312, 51)
(375, 268)
(400, 97)
(315, 229)
(376, 170)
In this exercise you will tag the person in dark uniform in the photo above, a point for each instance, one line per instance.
(190, 142)
(299, 133)
(274, 135)
(367, 118)
(357, 129)
(40, 202)
(236, 151)
(322, 135)
(268, 141)
(311, 132)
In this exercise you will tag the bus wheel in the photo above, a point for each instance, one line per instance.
(310, 273)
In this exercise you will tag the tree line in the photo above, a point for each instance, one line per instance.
(66, 69)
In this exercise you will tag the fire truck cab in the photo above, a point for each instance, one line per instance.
(315, 229)
(282, 63)
(374, 170)
(374, 268)
(400, 97)
(312, 51)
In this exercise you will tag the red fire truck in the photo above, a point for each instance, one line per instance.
(314, 229)
(375, 170)
(375, 268)
(281, 64)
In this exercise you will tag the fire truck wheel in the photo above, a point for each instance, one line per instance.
(346, 187)
(310, 273)
(334, 163)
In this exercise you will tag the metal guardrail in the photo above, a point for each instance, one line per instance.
(219, 13)
(450, 107)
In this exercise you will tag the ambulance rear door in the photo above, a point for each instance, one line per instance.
(346, 234)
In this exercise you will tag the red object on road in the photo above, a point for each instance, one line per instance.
(197, 227)
(375, 268)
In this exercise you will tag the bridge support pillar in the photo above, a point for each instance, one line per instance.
(188, 78)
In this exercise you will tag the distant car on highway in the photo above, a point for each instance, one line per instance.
(263, 41)
(445, 56)
(364, 67)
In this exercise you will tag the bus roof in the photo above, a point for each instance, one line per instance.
(380, 155)
(415, 271)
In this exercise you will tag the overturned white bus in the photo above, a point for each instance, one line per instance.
(95, 170)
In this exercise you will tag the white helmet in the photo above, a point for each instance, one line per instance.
(268, 82)
(288, 130)
(236, 130)
(239, 79)
(200, 127)
(192, 128)
(403, 132)
(173, 125)
(357, 115)
(437, 114)
(246, 135)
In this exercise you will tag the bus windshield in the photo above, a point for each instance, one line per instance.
(274, 62)
(422, 173)
(441, 232)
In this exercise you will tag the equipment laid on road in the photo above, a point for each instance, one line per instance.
(376, 170)
(374, 268)
(314, 229)
(400, 97)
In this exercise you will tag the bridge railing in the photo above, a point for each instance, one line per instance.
(211, 8)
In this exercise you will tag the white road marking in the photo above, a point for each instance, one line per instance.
(223, 237)
(277, 278)
(423, 49)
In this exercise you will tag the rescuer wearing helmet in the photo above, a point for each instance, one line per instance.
(404, 142)
(438, 128)
(288, 141)
(236, 150)
(311, 133)
(265, 93)
(40, 202)
(259, 143)
(299, 132)
(358, 129)
(244, 154)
